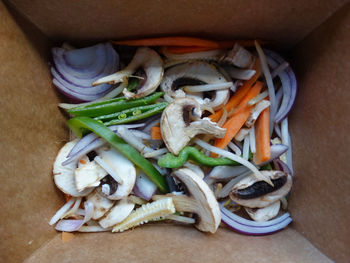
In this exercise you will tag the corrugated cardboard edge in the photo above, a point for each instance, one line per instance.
(320, 125)
(165, 243)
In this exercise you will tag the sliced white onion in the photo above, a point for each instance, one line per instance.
(235, 148)
(62, 211)
(246, 147)
(224, 173)
(141, 135)
(287, 141)
(224, 192)
(94, 229)
(156, 153)
(280, 68)
(233, 157)
(258, 98)
(252, 139)
(208, 87)
(269, 82)
(74, 208)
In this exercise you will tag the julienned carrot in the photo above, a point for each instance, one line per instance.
(155, 133)
(170, 41)
(237, 120)
(184, 50)
(181, 41)
(262, 137)
(239, 95)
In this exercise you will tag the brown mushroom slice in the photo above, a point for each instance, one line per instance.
(176, 126)
(64, 175)
(195, 73)
(152, 64)
(264, 214)
(101, 204)
(200, 200)
(252, 193)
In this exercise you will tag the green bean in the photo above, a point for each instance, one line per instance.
(133, 114)
(171, 161)
(113, 105)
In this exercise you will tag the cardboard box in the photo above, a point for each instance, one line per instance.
(314, 35)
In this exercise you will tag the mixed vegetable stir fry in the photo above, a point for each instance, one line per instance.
(178, 129)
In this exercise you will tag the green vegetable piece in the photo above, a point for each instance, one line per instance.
(145, 112)
(171, 161)
(113, 105)
(77, 124)
(133, 83)
(122, 116)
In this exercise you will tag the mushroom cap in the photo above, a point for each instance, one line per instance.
(197, 70)
(122, 167)
(206, 206)
(64, 175)
(175, 129)
(262, 200)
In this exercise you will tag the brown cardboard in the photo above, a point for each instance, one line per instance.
(33, 129)
(320, 127)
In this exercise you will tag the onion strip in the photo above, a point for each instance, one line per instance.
(208, 87)
(63, 210)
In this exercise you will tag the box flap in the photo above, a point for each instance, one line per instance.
(278, 21)
(165, 243)
(320, 126)
(30, 126)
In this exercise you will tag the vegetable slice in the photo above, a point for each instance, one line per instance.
(262, 138)
(82, 122)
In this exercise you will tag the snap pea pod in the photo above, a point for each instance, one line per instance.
(113, 105)
(83, 122)
(133, 114)
(191, 153)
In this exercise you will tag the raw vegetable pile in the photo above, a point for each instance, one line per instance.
(176, 129)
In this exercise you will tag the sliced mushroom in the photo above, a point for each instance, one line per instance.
(101, 204)
(264, 214)
(176, 126)
(262, 105)
(239, 57)
(152, 64)
(195, 73)
(122, 167)
(252, 193)
(200, 201)
(64, 175)
(118, 213)
(88, 174)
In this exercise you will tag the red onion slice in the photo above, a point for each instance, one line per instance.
(72, 225)
(280, 165)
(249, 227)
(276, 151)
(144, 187)
(283, 112)
(82, 58)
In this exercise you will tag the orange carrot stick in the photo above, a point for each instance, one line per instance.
(170, 41)
(184, 50)
(262, 137)
(155, 133)
(237, 120)
(239, 95)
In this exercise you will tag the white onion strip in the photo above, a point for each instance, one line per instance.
(224, 192)
(269, 82)
(246, 147)
(182, 219)
(141, 134)
(108, 169)
(208, 87)
(63, 210)
(258, 98)
(280, 68)
(258, 175)
(252, 139)
(235, 148)
(156, 153)
(94, 229)
(74, 208)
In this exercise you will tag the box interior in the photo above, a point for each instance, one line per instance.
(314, 37)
